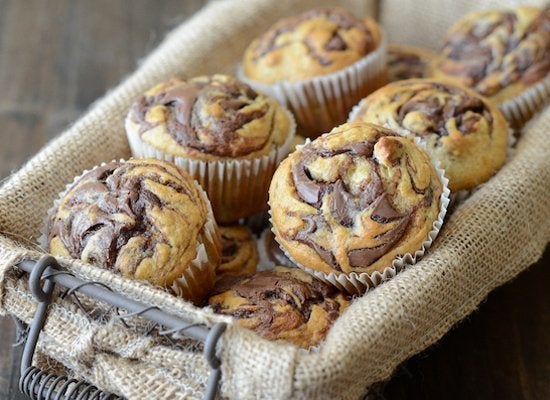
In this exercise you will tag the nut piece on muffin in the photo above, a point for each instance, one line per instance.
(225, 134)
(354, 199)
(239, 253)
(144, 219)
(466, 133)
(281, 304)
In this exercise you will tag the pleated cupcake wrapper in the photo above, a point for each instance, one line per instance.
(236, 188)
(323, 102)
(518, 110)
(200, 275)
(197, 279)
(359, 283)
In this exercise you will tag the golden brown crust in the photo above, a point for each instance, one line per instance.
(408, 62)
(281, 304)
(314, 43)
(354, 199)
(498, 53)
(208, 118)
(239, 253)
(143, 218)
(467, 134)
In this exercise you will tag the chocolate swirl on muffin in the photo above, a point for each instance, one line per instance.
(208, 117)
(354, 199)
(239, 253)
(427, 107)
(314, 43)
(464, 132)
(145, 219)
(280, 304)
(491, 51)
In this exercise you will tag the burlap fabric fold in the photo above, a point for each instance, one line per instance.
(499, 231)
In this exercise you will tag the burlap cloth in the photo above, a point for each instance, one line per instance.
(499, 231)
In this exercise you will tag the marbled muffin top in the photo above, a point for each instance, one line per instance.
(239, 253)
(465, 133)
(498, 53)
(143, 218)
(354, 199)
(208, 118)
(406, 62)
(314, 43)
(281, 304)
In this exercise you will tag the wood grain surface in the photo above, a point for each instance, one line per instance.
(57, 57)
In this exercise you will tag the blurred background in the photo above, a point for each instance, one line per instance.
(58, 57)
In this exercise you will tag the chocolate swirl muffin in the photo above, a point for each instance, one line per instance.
(208, 118)
(144, 219)
(407, 62)
(498, 53)
(467, 134)
(225, 134)
(239, 253)
(314, 43)
(318, 64)
(354, 199)
(282, 304)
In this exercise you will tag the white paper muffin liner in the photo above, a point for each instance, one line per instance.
(236, 188)
(359, 283)
(199, 276)
(323, 102)
(518, 110)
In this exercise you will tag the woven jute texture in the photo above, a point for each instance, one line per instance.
(496, 233)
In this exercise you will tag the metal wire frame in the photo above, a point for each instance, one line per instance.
(44, 275)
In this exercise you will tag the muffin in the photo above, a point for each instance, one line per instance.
(467, 134)
(239, 253)
(319, 63)
(282, 304)
(407, 62)
(226, 135)
(349, 203)
(144, 219)
(501, 54)
(270, 253)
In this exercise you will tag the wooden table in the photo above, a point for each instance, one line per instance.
(57, 57)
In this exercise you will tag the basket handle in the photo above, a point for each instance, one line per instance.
(38, 384)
